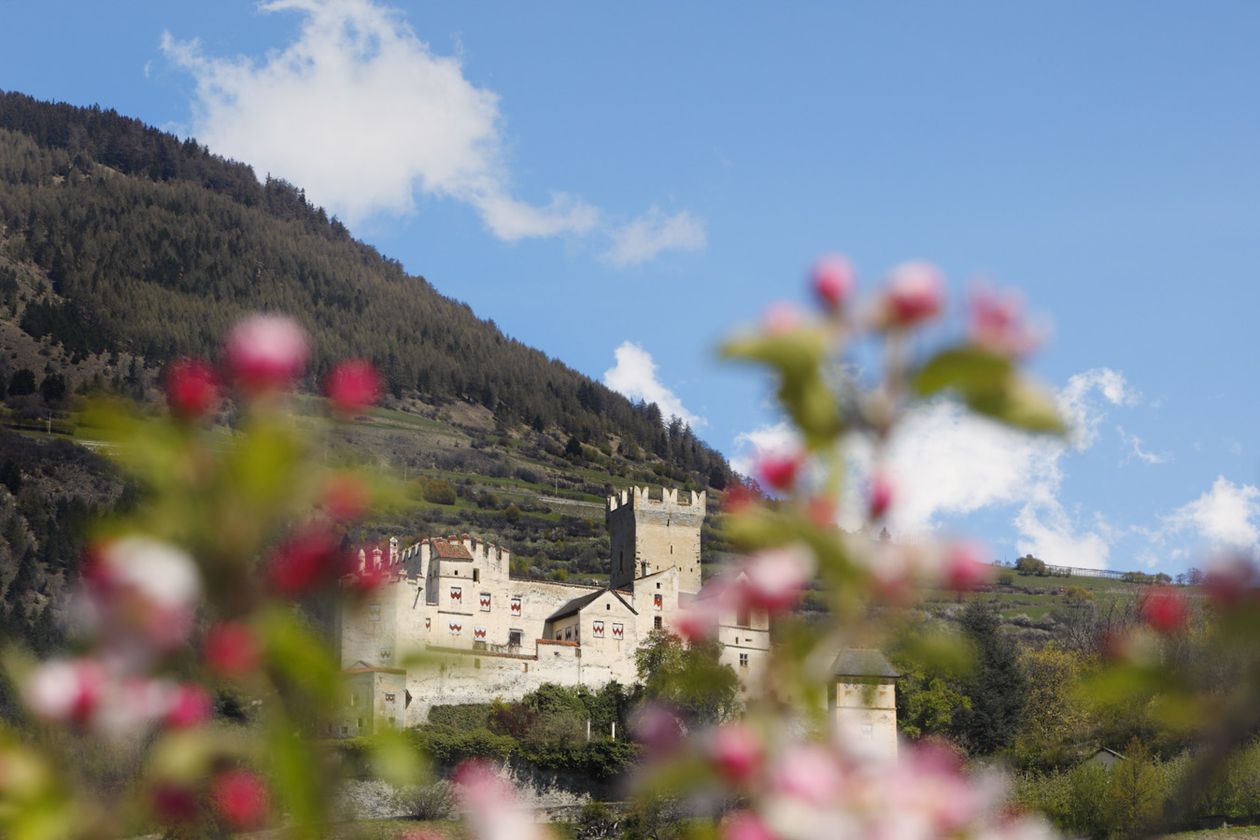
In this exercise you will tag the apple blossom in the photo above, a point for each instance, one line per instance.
(780, 471)
(352, 386)
(736, 751)
(192, 388)
(231, 650)
(915, 293)
(1165, 610)
(240, 797)
(833, 280)
(266, 353)
(775, 579)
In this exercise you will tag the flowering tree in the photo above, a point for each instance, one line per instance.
(191, 598)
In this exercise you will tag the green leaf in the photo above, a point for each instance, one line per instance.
(966, 369)
(991, 385)
(1021, 404)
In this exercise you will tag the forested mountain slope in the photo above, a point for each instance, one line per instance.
(132, 241)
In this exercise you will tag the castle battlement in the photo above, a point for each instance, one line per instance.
(644, 498)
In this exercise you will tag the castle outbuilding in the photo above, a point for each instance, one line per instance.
(452, 625)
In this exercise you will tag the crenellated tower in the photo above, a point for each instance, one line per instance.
(653, 529)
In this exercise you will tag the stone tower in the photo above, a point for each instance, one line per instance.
(653, 529)
(864, 701)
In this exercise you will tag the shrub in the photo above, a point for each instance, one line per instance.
(429, 802)
(462, 717)
(438, 492)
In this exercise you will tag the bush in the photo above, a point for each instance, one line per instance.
(596, 821)
(438, 492)
(429, 802)
(462, 717)
(1029, 565)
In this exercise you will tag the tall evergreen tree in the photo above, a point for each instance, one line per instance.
(996, 688)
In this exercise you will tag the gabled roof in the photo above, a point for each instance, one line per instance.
(577, 604)
(449, 549)
(863, 662)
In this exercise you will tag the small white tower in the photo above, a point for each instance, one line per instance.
(864, 700)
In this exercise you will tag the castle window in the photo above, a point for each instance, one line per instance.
(476, 575)
(389, 697)
(514, 638)
(658, 584)
(485, 601)
(656, 622)
(671, 549)
(743, 660)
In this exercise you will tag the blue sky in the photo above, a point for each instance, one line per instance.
(655, 173)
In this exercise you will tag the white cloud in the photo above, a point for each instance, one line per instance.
(946, 462)
(362, 114)
(1048, 532)
(1084, 413)
(772, 438)
(1137, 450)
(1223, 517)
(634, 375)
(653, 232)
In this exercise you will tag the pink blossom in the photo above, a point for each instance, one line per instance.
(774, 579)
(880, 496)
(190, 705)
(915, 293)
(346, 497)
(192, 388)
(140, 592)
(1165, 610)
(241, 798)
(736, 751)
(810, 773)
(353, 386)
(1231, 581)
(696, 622)
(308, 559)
(231, 650)
(490, 804)
(783, 317)
(173, 803)
(65, 690)
(966, 566)
(833, 279)
(780, 471)
(657, 729)
(266, 353)
(746, 825)
(997, 322)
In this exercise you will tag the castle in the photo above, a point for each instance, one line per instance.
(451, 625)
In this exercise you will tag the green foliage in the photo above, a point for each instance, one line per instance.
(996, 689)
(438, 492)
(990, 384)
(462, 716)
(1054, 722)
(1029, 565)
(688, 677)
(1091, 800)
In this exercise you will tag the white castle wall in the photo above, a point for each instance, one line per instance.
(483, 634)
